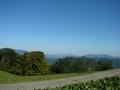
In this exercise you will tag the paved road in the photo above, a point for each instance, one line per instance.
(58, 82)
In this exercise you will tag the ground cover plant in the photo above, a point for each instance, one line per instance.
(107, 83)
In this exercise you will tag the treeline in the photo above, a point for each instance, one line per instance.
(34, 63)
(30, 63)
(77, 65)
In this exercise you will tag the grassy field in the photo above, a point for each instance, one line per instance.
(11, 78)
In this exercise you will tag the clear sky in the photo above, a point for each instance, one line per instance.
(77, 27)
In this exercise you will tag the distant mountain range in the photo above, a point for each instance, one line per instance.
(20, 51)
(51, 59)
(98, 56)
(88, 55)
(62, 56)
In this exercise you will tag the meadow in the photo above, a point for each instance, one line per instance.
(6, 77)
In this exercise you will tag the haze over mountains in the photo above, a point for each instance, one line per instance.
(61, 56)
(20, 51)
(51, 59)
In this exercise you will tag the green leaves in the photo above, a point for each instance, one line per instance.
(34, 63)
(7, 58)
(31, 63)
(73, 65)
(111, 83)
(104, 65)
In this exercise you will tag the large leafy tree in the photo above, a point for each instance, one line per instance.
(31, 63)
(7, 57)
(63, 65)
(17, 67)
(72, 64)
(84, 64)
(34, 63)
(104, 65)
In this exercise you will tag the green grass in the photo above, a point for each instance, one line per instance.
(11, 78)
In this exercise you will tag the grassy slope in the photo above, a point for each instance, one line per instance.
(11, 78)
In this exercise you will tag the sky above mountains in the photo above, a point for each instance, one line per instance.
(61, 26)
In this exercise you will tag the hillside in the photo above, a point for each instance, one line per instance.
(51, 59)
(20, 51)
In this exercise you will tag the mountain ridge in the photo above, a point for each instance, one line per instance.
(20, 51)
(51, 59)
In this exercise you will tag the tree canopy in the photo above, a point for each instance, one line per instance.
(72, 64)
(7, 58)
(104, 65)
(31, 63)
(34, 63)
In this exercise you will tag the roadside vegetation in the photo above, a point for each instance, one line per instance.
(32, 66)
(107, 83)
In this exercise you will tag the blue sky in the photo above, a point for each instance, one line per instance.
(77, 27)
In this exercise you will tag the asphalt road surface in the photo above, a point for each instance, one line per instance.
(59, 82)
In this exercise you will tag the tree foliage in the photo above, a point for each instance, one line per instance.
(106, 83)
(77, 65)
(73, 65)
(64, 65)
(34, 63)
(84, 64)
(7, 58)
(104, 65)
(31, 63)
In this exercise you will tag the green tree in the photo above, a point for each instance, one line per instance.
(73, 65)
(63, 65)
(17, 67)
(104, 65)
(84, 64)
(34, 63)
(7, 57)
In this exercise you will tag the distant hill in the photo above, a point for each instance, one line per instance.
(54, 56)
(51, 59)
(116, 57)
(88, 55)
(98, 56)
(20, 51)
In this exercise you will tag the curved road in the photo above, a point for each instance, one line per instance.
(59, 82)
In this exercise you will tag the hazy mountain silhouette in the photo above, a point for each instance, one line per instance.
(51, 59)
(98, 56)
(20, 51)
